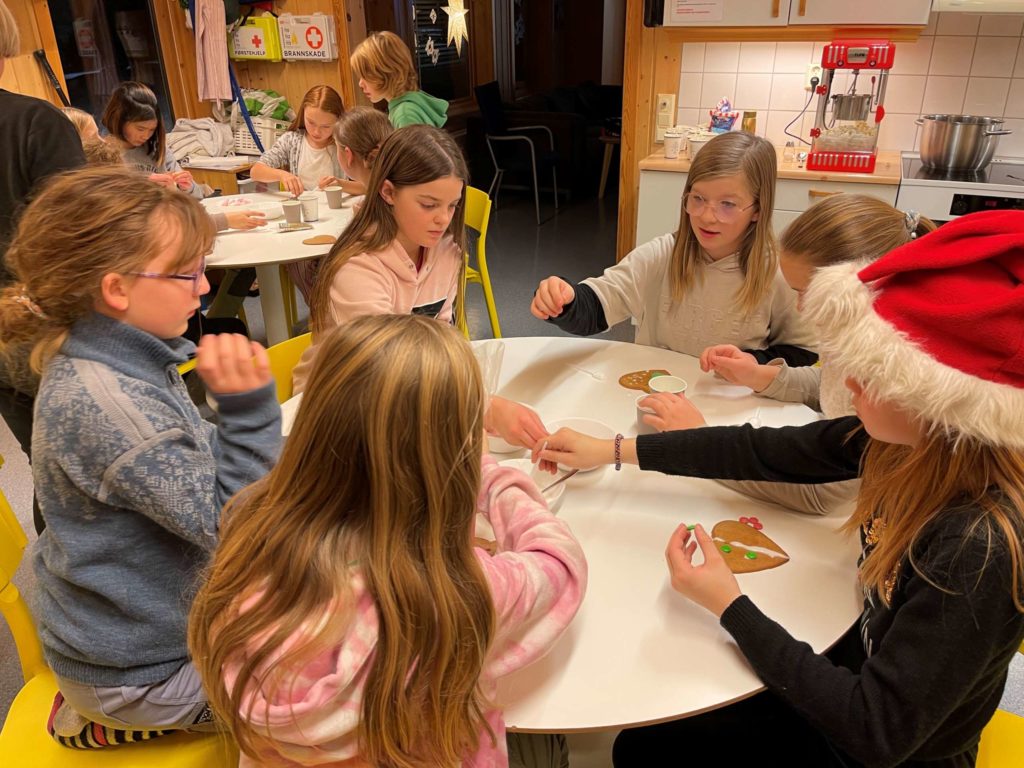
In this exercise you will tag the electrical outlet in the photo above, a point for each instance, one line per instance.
(664, 115)
(813, 70)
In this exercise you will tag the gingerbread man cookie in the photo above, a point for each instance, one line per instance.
(641, 380)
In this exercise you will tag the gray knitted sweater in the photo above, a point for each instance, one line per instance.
(131, 482)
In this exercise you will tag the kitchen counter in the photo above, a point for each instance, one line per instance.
(887, 169)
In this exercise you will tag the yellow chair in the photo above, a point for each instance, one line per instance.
(478, 214)
(1002, 741)
(24, 742)
(283, 359)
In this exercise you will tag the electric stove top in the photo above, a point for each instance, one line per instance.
(944, 195)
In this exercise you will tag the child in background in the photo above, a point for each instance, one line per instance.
(84, 123)
(136, 127)
(839, 229)
(130, 478)
(715, 281)
(928, 337)
(305, 158)
(302, 632)
(358, 135)
(403, 254)
(384, 66)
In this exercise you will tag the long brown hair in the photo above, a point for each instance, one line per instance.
(753, 158)
(133, 102)
(384, 60)
(83, 225)
(393, 415)
(321, 97)
(905, 488)
(9, 40)
(363, 130)
(845, 227)
(416, 154)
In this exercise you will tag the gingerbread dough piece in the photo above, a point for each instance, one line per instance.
(641, 380)
(746, 549)
(319, 240)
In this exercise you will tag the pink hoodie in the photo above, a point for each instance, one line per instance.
(537, 580)
(387, 283)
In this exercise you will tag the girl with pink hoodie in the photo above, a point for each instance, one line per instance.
(354, 622)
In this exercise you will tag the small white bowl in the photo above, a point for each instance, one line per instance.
(642, 427)
(495, 444)
(671, 384)
(587, 427)
(554, 496)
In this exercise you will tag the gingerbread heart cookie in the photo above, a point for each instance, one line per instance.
(319, 240)
(745, 548)
(640, 380)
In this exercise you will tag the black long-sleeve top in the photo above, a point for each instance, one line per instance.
(932, 665)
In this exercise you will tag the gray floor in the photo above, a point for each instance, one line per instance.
(578, 242)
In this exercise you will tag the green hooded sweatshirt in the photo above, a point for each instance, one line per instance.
(417, 108)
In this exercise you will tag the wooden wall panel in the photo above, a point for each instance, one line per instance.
(24, 74)
(178, 51)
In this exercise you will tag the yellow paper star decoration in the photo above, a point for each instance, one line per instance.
(456, 24)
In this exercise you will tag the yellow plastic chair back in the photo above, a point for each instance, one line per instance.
(24, 742)
(283, 359)
(1002, 741)
(478, 214)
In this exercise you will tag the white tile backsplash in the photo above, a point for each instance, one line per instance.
(950, 55)
(961, 63)
(994, 56)
(986, 96)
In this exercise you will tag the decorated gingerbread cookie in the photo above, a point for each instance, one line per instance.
(640, 380)
(745, 548)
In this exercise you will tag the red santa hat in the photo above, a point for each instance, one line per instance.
(936, 326)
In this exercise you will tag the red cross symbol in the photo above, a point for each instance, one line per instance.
(256, 41)
(314, 37)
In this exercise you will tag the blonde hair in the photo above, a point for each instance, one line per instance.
(416, 154)
(845, 228)
(321, 97)
(77, 230)
(133, 102)
(393, 415)
(81, 119)
(384, 60)
(752, 158)
(100, 152)
(10, 43)
(905, 488)
(363, 130)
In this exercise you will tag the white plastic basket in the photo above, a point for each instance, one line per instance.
(268, 129)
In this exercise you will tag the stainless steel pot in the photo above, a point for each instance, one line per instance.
(959, 142)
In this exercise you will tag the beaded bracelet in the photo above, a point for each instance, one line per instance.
(618, 452)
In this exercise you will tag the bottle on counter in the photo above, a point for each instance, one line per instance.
(749, 122)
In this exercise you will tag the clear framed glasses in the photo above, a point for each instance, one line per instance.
(725, 211)
(194, 277)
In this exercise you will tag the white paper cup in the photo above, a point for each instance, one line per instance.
(673, 143)
(292, 211)
(642, 428)
(310, 206)
(335, 196)
(672, 384)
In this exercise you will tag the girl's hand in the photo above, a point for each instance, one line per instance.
(672, 411)
(328, 181)
(246, 219)
(572, 449)
(513, 422)
(228, 363)
(352, 187)
(183, 180)
(738, 367)
(711, 585)
(292, 183)
(551, 297)
(163, 179)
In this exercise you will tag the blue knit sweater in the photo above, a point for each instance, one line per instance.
(131, 482)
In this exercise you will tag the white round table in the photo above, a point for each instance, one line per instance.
(638, 652)
(266, 247)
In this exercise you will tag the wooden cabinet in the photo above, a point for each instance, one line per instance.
(778, 13)
(873, 12)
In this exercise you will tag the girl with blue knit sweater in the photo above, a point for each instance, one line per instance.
(130, 478)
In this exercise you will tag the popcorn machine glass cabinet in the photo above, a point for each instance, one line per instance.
(845, 133)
